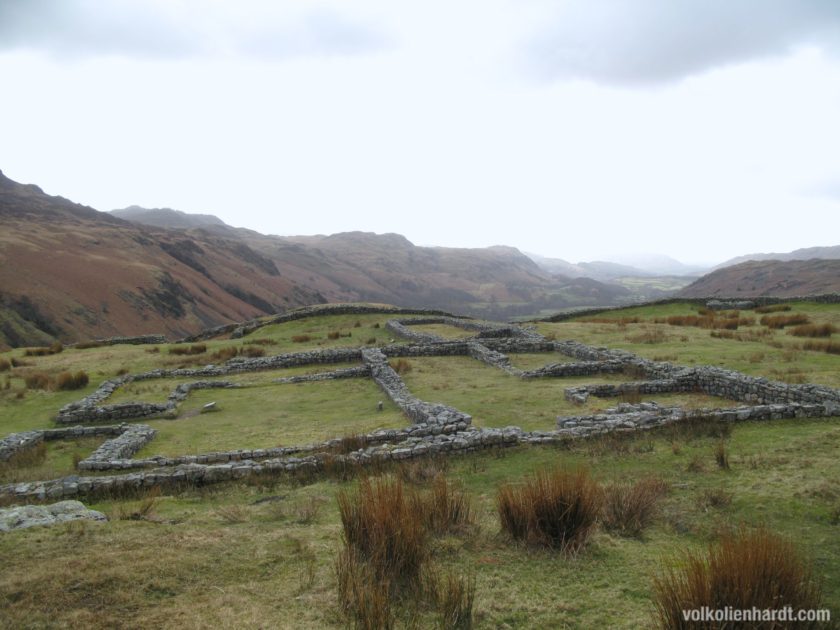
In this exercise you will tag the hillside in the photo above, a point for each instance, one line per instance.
(806, 253)
(166, 217)
(69, 272)
(769, 278)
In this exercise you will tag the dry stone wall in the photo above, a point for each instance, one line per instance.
(419, 411)
(437, 429)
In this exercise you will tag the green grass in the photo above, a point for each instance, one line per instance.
(496, 399)
(58, 461)
(536, 360)
(778, 356)
(273, 415)
(444, 330)
(157, 390)
(231, 562)
(319, 327)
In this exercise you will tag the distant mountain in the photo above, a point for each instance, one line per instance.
(769, 278)
(70, 272)
(621, 266)
(167, 218)
(807, 253)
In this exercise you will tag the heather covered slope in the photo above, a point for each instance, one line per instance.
(70, 272)
(769, 278)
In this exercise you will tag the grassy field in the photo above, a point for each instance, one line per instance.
(444, 330)
(262, 552)
(496, 399)
(232, 560)
(773, 354)
(263, 416)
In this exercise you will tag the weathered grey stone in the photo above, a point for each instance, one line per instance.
(25, 516)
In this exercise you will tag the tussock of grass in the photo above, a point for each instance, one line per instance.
(72, 380)
(381, 525)
(455, 596)
(746, 570)
(628, 508)
(402, 366)
(780, 321)
(445, 508)
(553, 508)
(55, 348)
(773, 308)
(721, 455)
(813, 330)
(363, 596)
(198, 348)
(829, 347)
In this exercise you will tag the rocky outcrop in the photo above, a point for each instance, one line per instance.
(26, 516)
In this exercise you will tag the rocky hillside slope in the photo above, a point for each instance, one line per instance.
(70, 272)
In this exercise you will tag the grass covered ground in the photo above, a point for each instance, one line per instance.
(497, 399)
(262, 552)
(263, 416)
(755, 350)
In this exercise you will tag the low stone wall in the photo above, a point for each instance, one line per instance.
(649, 415)
(16, 442)
(721, 305)
(715, 382)
(109, 413)
(401, 329)
(353, 372)
(420, 412)
(482, 353)
(442, 444)
(442, 349)
(586, 368)
(180, 393)
(134, 341)
(380, 436)
(127, 443)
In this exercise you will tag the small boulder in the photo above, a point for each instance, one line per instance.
(25, 516)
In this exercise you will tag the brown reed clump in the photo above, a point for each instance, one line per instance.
(744, 570)
(552, 508)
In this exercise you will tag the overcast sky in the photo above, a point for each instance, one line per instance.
(579, 129)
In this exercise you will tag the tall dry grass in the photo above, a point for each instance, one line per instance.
(744, 570)
(628, 508)
(553, 508)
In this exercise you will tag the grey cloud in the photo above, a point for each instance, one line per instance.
(72, 28)
(658, 41)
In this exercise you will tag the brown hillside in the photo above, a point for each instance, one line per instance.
(70, 272)
(77, 273)
(769, 278)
